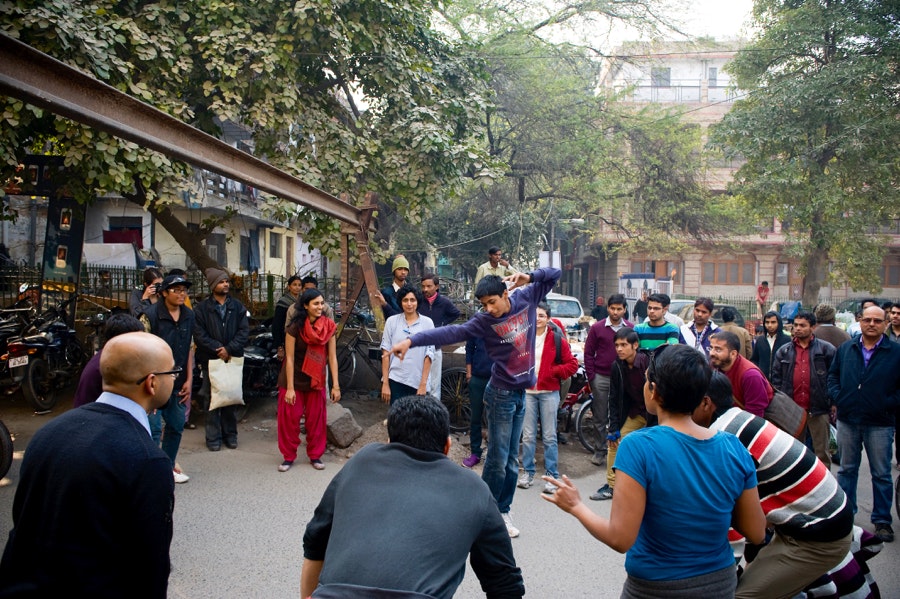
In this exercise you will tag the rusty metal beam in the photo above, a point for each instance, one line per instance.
(43, 81)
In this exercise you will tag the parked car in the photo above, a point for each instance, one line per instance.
(687, 314)
(567, 309)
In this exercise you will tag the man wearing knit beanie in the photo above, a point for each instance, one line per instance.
(825, 328)
(221, 331)
(387, 297)
(214, 276)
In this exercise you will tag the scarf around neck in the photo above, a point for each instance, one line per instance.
(316, 335)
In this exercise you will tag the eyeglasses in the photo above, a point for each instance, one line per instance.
(178, 290)
(174, 372)
(871, 320)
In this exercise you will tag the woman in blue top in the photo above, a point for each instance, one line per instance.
(679, 487)
(401, 378)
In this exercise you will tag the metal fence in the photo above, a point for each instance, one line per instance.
(108, 287)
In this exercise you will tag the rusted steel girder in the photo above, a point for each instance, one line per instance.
(43, 81)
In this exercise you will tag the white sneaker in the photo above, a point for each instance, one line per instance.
(549, 488)
(180, 477)
(526, 481)
(512, 530)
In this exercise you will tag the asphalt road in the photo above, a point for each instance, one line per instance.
(239, 523)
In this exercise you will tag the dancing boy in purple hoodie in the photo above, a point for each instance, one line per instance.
(507, 326)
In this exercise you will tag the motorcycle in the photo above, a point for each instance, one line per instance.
(261, 369)
(47, 357)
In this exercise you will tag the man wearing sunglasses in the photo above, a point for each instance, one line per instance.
(864, 384)
(92, 515)
(173, 322)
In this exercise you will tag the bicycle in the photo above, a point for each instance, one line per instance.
(364, 342)
(584, 425)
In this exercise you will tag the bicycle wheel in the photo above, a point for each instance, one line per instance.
(455, 397)
(346, 359)
(584, 427)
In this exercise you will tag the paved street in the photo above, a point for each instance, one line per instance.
(239, 523)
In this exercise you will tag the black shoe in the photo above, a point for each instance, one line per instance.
(561, 439)
(231, 444)
(884, 532)
(214, 446)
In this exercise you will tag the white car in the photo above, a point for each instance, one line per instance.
(567, 309)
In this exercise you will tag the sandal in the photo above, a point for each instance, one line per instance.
(317, 464)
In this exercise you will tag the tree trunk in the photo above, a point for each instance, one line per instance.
(190, 241)
(815, 264)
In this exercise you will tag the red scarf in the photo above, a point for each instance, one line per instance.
(316, 335)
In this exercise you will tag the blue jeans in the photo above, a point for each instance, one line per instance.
(877, 441)
(477, 385)
(173, 414)
(505, 413)
(543, 406)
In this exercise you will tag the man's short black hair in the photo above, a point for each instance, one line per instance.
(309, 279)
(720, 392)
(808, 317)
(729, 314)
(705, 302)
(617, 298)
(432, 277)
(420, 422)
(493, 250)
(119, 324)
(490, 285)
(659, 298)
(666, 300)
(681, 377)
(732, 341)
(628, 335)
(771, 314)
(406, 290)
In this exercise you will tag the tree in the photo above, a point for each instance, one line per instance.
(818, 132)
(351, 97)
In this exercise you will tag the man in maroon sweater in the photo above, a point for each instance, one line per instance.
(752, 391)
(599, 355)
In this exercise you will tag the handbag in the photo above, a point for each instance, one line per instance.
(226, 383)
(784, 413)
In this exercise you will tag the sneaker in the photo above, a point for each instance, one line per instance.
(603, 493)
(317, 464)
(526, 481)
(285, 466)
(549, 488)
(598, 459)
(471, 461)
(180, 477)
(512, 530)
(884, 532)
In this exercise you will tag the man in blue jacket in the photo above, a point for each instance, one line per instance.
(507, 326)
(864, 383)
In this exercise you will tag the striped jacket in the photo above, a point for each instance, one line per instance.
(799, 496)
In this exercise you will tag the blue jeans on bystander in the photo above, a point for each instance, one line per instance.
(877, 441)
(543, 406)
(505, 414)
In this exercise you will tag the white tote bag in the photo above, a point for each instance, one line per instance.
(226, 383)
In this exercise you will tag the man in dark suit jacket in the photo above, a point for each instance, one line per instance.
(92, 516)
(767, 344)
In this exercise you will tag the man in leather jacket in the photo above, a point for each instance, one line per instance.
(800, 370)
